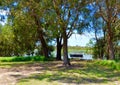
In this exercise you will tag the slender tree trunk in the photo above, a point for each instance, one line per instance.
(59, 48)
(110, 42)
(66, 61)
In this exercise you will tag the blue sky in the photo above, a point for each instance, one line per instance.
(2, 15)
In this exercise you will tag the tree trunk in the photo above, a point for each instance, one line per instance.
(59, 48)
(110, 42)
(45, 50)
(66, 61)
(110, 31)
(44, 45)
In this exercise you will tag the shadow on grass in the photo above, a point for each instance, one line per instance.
(77, 74)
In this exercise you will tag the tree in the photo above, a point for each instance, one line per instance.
(6, 41)
(108, 10)
(67, 17)
(53, 29)
(25, 34)
(33, 11)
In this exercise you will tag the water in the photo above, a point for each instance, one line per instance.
(85, 56)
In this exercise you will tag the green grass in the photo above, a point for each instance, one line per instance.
(82, 72)
(9, 62)
(21, 59)
(13, 64)
(110, 63)
(77, 49)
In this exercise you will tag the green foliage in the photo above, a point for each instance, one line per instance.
(109, 12)
(6, 41)
(52, 18)
(21, 59)
(117, 39)
(110, 63)
(99, 49)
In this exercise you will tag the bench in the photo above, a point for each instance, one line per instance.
(76, 55)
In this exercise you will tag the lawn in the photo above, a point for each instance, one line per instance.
(54, 73)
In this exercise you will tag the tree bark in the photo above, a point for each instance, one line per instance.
(45, 50)
(59, 48)
(109, 22)
(66, 61)
(110, 42)
(44, 45)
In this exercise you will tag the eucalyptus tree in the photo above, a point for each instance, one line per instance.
(66, 16)
(108, 10)
(54, 32)
(26, 17)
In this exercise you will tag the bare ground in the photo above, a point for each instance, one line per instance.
(10, 76)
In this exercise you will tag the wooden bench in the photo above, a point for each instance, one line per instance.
(75, 55)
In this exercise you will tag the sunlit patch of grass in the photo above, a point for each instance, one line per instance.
(21, 59)
(81, 72)
(60, 78)
(52, 78)
(37, 82)
(13, 64)
(8, 62)
(109, 63)
(87, 73)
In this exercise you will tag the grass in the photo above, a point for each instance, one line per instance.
(78, 49)
(19, 59)
(82, 72)
(13, 64)
(9, 62)
(110, 63)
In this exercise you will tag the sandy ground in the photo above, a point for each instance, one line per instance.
(10, 76)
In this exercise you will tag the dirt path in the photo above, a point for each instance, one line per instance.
(10, 76)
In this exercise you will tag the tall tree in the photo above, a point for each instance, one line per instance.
(108, 10)
(33, 11)
(67, 17)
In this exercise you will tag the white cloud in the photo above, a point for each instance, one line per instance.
(79, 40)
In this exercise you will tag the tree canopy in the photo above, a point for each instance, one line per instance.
(45, 21)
